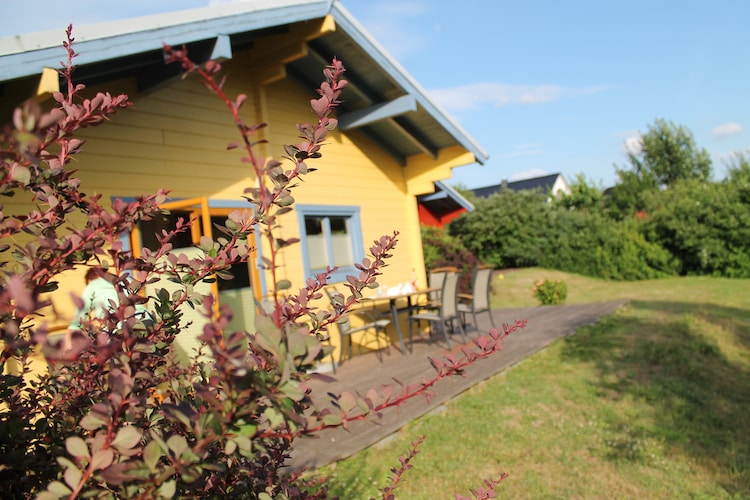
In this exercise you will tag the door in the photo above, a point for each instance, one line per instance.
(238, 293)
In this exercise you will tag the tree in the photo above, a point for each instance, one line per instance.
(584, 195)
(738, 175)
(667, 154)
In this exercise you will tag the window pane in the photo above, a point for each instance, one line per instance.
(313, 225)
(241, 271)
(150, 228)
(341, 242)
(316, 242)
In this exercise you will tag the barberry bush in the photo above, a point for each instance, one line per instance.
(116, 415)
(441, 249)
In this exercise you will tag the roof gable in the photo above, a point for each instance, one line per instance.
(544, 183)
(390, 107)
(445, 198)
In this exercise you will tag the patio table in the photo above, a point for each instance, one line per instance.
(395, 310)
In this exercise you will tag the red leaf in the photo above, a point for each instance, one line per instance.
(240, 100)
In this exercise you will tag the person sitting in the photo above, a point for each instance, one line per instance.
(99, 299)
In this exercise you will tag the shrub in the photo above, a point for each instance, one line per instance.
(549, 292)
(705, 225)
(441, 249)
(507, 229)
(592, 244)
(583, 195)
(117, 415)
(573, 234)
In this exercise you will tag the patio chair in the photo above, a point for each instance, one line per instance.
(371, 321)
(479, 300)
(435, 279)
(445, 313)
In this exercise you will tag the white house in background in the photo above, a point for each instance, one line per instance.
(552, 184)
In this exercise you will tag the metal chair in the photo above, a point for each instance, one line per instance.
(372, 321)
(479, 300)
(435, 279)
(446, 312)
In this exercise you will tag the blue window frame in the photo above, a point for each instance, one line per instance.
(331, 236)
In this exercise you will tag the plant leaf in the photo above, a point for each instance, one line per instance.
(178, 444)
(102, 459)
(127, 438)
(77, 447)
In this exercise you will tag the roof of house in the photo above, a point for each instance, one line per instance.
(445, 199)
(382, 101)
(544, 183)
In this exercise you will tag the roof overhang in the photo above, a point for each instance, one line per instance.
(382, 101)
(445, 199)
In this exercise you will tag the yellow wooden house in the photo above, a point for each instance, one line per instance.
(393, 142)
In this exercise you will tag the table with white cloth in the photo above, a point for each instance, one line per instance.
(395, 309)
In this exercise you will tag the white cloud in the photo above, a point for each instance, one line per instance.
(477, 95)
(727, 129)
(632, 144)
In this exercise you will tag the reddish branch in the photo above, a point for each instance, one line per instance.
(405, 465)
(485, 346)
(313, 137)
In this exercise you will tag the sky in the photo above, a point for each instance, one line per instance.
(544, 86)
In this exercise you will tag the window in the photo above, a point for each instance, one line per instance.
(207, 216)
(240, 272)
(166, 222)
(331, 236)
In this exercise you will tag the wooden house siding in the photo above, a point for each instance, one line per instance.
(175, 137)
(352, 173)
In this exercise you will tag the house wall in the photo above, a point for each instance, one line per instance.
(560, 186)
(175, 137)
(352, 172)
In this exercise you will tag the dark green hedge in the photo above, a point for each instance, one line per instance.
(691, 227)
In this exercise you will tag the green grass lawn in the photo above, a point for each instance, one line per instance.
(651, 402)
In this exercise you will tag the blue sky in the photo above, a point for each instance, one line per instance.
(544, 86)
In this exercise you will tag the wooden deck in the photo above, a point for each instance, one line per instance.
(366, 371)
